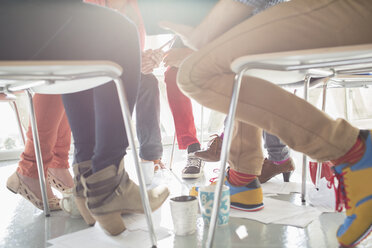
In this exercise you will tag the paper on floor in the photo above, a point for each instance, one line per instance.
(279, 187)
(323, 199)
(280, 212)
(95, 237)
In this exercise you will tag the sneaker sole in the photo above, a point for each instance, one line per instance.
(247, 209)
(192, 176)
(364, 235)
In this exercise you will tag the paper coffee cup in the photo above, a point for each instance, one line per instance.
(148, 171)
(184, 210)
(206, 200)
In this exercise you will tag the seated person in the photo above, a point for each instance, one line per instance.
(55, 140)
(148, 102)
(73, 30)
(279, 160)
(294, 25)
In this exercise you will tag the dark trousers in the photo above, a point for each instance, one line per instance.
(72, 30)
(148, 118)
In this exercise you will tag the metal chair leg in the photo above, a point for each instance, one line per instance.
(201, 125)
(348, 107)
(172, 152)
(319, 167)
(304, 157)
(224, 154)
(13, 103)
(39, 161)
(141, 180)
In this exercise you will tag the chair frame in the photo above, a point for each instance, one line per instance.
(310, 70)
(27, 82)
(12, 102)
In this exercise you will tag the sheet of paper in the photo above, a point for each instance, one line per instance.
(280, 212)
(301, 220)
(95, 237)
(323, 199)
(279, 187)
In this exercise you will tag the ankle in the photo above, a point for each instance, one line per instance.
(62, 174)
(221, 136)
(193, 148)
(280, 161)
(239, 179)
(354, 154)
(34, 185)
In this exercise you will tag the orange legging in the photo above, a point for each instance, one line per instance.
(54, 135)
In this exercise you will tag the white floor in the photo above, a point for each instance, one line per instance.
(22, 225)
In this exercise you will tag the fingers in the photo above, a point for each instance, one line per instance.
(176, 56)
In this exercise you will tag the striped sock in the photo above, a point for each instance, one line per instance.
(240, 179)
(353, 155)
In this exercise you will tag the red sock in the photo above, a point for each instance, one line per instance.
(353, 155)
(240, 179)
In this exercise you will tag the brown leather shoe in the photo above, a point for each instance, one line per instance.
(213, 152)
(270, 170)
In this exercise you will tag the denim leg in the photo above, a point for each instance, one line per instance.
(111, 139)
(276, 149)
(148, 118)
(80, 114)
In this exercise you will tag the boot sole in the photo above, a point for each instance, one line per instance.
(111, 223)
(84, 211)
(365, 235)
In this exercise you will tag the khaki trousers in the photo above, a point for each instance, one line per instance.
(299, 24)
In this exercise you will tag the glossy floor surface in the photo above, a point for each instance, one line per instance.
(22, 225)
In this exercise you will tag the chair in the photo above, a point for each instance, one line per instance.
(340, 65)
(62, 77)
(12, 101)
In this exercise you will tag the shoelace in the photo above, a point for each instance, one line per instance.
(194, 162)
(215, 170)
(213, 180)
(341, 198)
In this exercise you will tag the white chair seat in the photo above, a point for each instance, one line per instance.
(289, 67)
(44, 77)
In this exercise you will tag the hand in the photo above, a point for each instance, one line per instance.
(176, 56)
(151, 59)
(183, 31)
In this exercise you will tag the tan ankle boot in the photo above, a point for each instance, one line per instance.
(78, 191)
(110, 192)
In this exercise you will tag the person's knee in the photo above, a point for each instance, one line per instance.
(187, 80)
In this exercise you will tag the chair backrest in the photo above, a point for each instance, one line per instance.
(292, 66)
(56, 77)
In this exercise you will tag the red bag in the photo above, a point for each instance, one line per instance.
(327, 172)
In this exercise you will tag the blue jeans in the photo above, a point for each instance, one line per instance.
(148, 118)
(276, 149)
